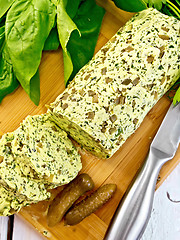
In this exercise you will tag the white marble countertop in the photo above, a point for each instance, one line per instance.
(164, 223)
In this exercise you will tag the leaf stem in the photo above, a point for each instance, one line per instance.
(178, 3)
(173, 7)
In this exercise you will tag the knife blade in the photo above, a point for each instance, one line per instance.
(133, 212)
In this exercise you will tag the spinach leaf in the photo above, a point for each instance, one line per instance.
(2, 21)
(8, 81)
(88, 19)
(155, 3)
(35, 88)
(5, 5)
(176, 96)
(2, 37)
(52, 42)
(78, 36)
(65, 27)
(169, 7)
(131, 6)
(138, 5)
(72, 7)
(28, 24)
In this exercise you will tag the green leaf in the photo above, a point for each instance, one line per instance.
(2, 21)
(28, 24)
(2, 37)
(52, 42)
(8, 81)
(65, 27)
(131, 6)
(88, 20)
(65, 24)
(78, 36)
(176, 96)
(35, 88)
(138, 5)
(156, 3)
(72, 7)
(5, 5)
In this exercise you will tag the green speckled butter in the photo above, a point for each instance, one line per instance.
(110, 96)
(9, 202)
(47, 150)
(36, 157)
(12, 176)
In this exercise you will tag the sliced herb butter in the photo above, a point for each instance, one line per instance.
(48, 151)
(12, 176)
(36, 157)
(110, 96)
(9, 202)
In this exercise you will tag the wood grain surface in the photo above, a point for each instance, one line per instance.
(119, 169)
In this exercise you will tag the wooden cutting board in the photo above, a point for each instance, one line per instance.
(119, 169)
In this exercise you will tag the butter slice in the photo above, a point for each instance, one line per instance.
(47, 150)
(10, 203)
(13, 178)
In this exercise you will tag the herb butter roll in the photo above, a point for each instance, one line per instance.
(110, 96)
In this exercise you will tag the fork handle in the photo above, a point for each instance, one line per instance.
(133, 212)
